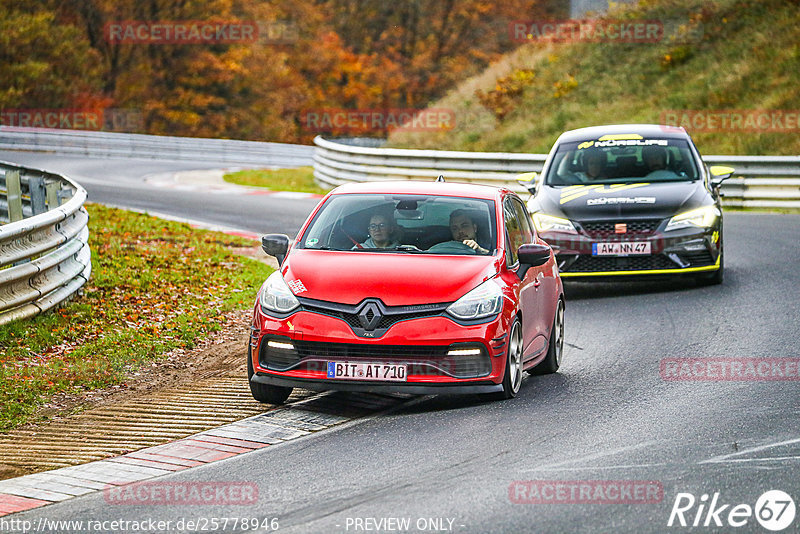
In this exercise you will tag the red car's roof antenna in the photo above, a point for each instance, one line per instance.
(440, 178)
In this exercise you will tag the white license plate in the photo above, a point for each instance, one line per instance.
(621, 248)
(389, 372)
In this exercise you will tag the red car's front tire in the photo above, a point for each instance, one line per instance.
(264, 392)
(512, 379)
(555, 348)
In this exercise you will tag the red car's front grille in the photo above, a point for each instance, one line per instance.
(422, 360)
(349, 314)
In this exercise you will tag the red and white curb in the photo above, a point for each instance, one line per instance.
(283, 424)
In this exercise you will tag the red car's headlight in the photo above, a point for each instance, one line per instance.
(276, 296)
(483, 301)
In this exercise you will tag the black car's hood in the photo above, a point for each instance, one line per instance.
(614, 201)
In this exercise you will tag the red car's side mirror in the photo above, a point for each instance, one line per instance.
(532, 255)
(276, 245)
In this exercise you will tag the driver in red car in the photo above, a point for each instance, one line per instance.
(465, 230)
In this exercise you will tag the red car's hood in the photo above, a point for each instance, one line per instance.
(396, 279)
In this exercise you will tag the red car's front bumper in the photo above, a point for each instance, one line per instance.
(432, 349)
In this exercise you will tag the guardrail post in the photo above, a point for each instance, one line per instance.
(63, 194)
(37, 192)
(51, 194)
(14, 195)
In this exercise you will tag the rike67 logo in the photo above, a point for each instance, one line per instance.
(774, 510)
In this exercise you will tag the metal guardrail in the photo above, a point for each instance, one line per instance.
(120, 145)
(759, 181)
(44, 250)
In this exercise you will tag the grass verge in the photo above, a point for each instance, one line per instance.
(156, 286)
(300, 179)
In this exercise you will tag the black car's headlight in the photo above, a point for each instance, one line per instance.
(700, 217)
(276, 296)
(544, 223)
(483, 301)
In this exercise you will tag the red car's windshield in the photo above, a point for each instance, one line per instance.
(403, 223)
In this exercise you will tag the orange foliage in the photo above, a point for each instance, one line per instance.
(345, 54)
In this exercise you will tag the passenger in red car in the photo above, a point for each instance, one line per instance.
(382, 232)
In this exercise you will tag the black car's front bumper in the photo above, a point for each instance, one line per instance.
(677, 252)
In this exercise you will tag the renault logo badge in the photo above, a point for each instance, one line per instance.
(370, 316)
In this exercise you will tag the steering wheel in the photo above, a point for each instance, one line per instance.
(452, 247)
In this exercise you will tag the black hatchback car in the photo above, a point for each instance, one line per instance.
(630, 200)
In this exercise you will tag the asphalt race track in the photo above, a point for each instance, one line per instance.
(121, 182)
(452, 464)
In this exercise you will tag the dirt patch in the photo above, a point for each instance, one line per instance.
(75, 417)
(178, 367)
(201, 387)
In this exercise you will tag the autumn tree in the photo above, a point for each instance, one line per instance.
(45, 63)
(362, 54)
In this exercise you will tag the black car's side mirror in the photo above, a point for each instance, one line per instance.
(720, 173)
(276, 245)
(528, 181)
(532, 255)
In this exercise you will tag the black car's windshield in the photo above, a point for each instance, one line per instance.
(619, 161)
(403, 224)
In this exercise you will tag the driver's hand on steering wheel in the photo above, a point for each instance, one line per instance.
(471, 243)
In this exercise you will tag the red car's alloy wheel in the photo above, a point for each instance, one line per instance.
(512, 380)
(555, 349)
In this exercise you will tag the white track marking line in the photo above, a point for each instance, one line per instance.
(598, 468)
(725, 457)
(744, 460)
(594, 456)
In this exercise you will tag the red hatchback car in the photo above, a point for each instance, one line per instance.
(422, 288)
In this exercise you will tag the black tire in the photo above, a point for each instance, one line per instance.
(512, 379)
(264, 392)
(555, 348)
(713, 278)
